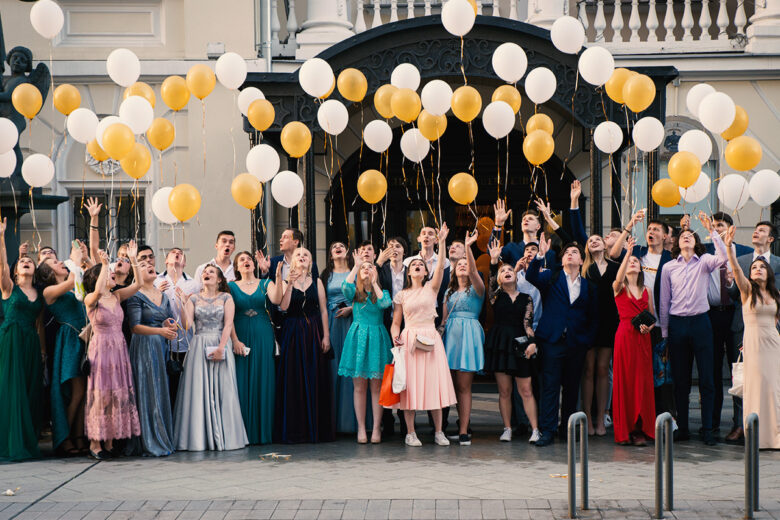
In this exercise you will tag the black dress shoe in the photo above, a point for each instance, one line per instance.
(101, 455)
(546, 439)
(709, 438)
(681, 436)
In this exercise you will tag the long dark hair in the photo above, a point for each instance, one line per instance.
(222, 285)
(454, 286)
(44, 275)
(330, 265)
(235, 263)
(408, 279)
(90, 278)
(771, 287)
(698, 247)
(16, 264)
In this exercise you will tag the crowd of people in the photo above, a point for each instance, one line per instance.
(119, 359)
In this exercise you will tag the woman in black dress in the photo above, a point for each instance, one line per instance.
(507, 354)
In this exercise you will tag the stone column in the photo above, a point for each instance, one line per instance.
(544, 12)
(326, 24)
(763, 33)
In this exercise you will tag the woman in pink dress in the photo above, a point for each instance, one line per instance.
(428, 380)
(110, 412)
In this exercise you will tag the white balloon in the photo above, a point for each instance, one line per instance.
(540, 85)
(316, 77)
(102, 125)
(82, 124)
(246, 96)
(137, 113)
(498, 119)
(414, 145)
(648, 134)
(696, 142)
(717, 112)
(596, 65)
(567, 34)
(608, 136)
(695, 96)
(378, 135)
(9, 134)
(436, 97)
(698, 191)
(37, 170)
(333, 117)
(46, 18)
(231, 70)
(764, 187)
(405, 75)
(287, 189)
(7, 163)
(510, 62)
(123, 67)
(160, 206)
(263, 162)
(458, 17)
(733, 191)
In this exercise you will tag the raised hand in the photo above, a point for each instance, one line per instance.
(705, 221)
(3, 226)
(470, 239)
(132, 250)
(500, 213)
(728, 238)
(103, 257)
(685, 222)
(494, 250)
(639, 216)
(630, 243)
(576, 190)
(356, 258)
(544, 245)
(279, 272)
(24, 248)
(443, 232)
(521, 265)
(544, 209)
(263, 262)
(93, 207)
(384, 255)
(165, 285)
(76, 252)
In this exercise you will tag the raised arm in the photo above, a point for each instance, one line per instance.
(720, 257)
(91, 299)
(438, 272)
(617, 285)
(5, 271)
(617, 247)
(127, 292)
(52, 292)
(94, 230)
(739, 276)
(575, 217)
(474, 275)
(355, 268)
(541, 279)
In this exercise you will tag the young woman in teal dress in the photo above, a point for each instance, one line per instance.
(253, 346)
(68, 384)
(339, 321)
(367, 344)
(464, 336)
(21, 352)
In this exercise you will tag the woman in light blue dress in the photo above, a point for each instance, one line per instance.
(367, 345)
(464, 337)
(339, 320)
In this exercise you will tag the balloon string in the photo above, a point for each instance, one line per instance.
(173, 155)
(51, 79)
(203, 133)
(159, 163)
(462, 66)
(569, 156)
(232, 124)
(438, 174)
(506, 176)
(403, 171)
(498, 169)
(34, 222)
(471, 143)
(360, 155)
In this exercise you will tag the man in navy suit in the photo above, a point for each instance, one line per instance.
(290, 240)
(530, 225)
(566, 330)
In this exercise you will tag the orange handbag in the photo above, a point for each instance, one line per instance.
(386, 396)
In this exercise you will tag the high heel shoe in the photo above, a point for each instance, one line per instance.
(362, 438)
(376, 437)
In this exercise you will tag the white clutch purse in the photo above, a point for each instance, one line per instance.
(423, 343)
(210, 353)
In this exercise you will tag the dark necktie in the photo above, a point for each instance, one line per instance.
(724, 293)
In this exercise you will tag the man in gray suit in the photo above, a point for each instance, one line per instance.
(763, 236)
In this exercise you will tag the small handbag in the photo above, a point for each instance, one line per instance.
(643, 318)
(86, 336)
(520, 344)
(424, 343)
(737, 377)
(387, 397)
(173, 367)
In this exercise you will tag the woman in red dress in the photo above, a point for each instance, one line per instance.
(633, 401)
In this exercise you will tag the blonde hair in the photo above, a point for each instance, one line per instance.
(588, 257)
(294, 263)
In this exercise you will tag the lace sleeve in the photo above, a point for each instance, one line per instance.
(493, 284)
(528, 321)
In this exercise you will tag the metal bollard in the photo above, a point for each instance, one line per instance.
(575, 419)
(751, 465)
(664, 425)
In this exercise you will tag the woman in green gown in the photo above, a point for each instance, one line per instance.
(253, 346)
(21, 348)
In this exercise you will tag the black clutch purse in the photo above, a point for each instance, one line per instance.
(519, 345)
(643, 318)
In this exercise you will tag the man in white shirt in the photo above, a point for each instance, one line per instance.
(226, 244)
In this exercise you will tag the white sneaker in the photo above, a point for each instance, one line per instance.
(412, 440)
(441, 439)
(607, 421)
(534, 436)
(506, 436)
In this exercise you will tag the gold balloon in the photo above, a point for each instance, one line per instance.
(405, 104)
(261, 114)
(463, 188)
(638, 92)
(684, 169)
(616, 82)
(473, 5)
(161, 133)
(431, 127)
(538, 147)
(372, 186)
(466, 103)
(666, 193)
(184, 202)
(174, 93)
(296, 139)
(539, 122)
(352, 85)
(743, 153)
(137, 162)
(67, 98)
(509, 95)
(27, 100)
(738, 126)
(246, 190)
(139, 88)
(96, 151)
(382, 99)
(201, 80)
(328, 93)
(118, 141)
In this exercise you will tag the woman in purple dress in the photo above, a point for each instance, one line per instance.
(110, 411)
